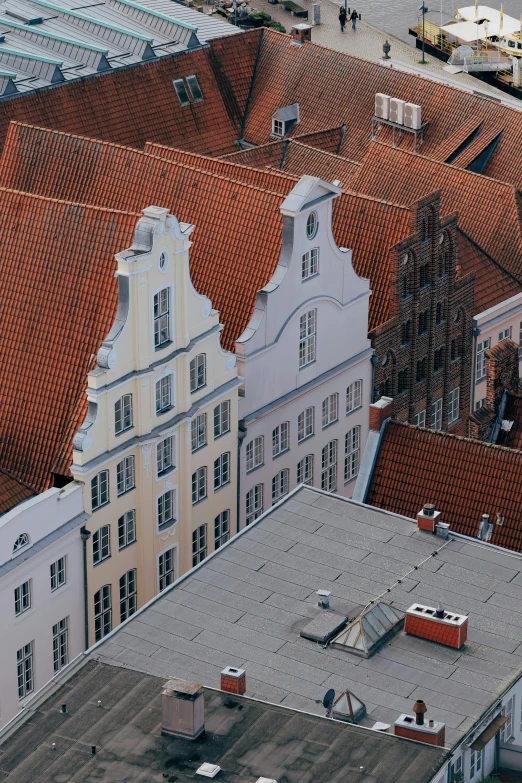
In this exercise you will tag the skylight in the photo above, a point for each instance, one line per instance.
(370, 630)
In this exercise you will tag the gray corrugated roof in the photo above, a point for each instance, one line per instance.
(245, 607)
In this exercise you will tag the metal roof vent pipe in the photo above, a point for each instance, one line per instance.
(323, 599)
(485, 528)
(182, 709)
(419, 708)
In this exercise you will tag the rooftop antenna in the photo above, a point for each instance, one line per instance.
(328, 702)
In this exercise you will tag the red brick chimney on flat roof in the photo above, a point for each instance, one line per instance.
(379, 412)
(417, 728)
(233, 680)
(437, 625)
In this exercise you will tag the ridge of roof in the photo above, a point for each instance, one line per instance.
(445, 435)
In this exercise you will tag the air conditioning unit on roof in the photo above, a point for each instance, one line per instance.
(412, 116)
(382, 106)
(397, 110)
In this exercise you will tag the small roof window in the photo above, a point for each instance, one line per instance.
(189, 86)
(195, 89)
(21, 542)
(181, 90)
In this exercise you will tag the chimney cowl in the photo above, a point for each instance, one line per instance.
(300, 33)
(419, 708)
(429, 509)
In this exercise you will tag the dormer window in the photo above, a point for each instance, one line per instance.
(283, 120)
(21, 542)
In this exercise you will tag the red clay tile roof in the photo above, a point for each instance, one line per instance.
(489, 211)
(12, 492)
(512, 412)
(492, 284)
(463, 478)
(59, 300)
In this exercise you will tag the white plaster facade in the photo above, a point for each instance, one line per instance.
(277, 390)
(33, 601)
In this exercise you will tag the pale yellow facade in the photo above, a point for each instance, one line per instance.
(158, 450)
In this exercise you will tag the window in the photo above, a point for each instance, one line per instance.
(24, 665)
(406, 333)
(166, 575)
(310, 263)
(305, 470)
(166, 509)
(125, 475)
(508, 710)
(385, 388)
(22, 598)
(102, 612)
(222, 418)
(127, 529)
(330, 410)
(198, 431)
(423, 322)
(101, 544)
(420, 419)
(456, 771)
(222, 470)
(163, 394)
(475, 764)
(198, 372)
(194, 88)
(402, 381)
(453, 405)
(58, 574)
(329, 467)
(100, 490)
(199, 544)
(199, 485)
(21, 541)
(455, 349)
(436, 414)
(439, 313)
(312, 224)
(438, 359)
(281, 439)
(165, 455)
(443, 261)
(354, 396)
(254, 453)
(505, 334)
(280, 485)
(128, 594)
(60, 645)
(221, 529)
(481, 358)
(181, 91)
(480, 403)
(161, 318)
(307, 334)
(422, 369)
(123, 414)
(254, 503)
(352, 453)
(305, 424)
(405, 286)
(424, 275)
(278, 128)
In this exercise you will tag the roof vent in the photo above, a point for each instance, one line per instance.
(428, 518)
(370, 630)
(437, 625)
(485, 528)
(182, 709)
(323, 598)
(208, 770)
(265, 780)
(415, 728)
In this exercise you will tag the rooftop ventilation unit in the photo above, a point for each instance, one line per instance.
(382, 106)
(182, 709)
(370, 630)
(208, 770)
(412, 116)
(397, 111)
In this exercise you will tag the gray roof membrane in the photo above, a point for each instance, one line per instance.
(247, 605)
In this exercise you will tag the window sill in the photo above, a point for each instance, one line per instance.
(27, 613)
(94, 510)
(125, 491)
(226, 484)
(307, 437)
(480, 380)
(197, 502)
(199, 448)
(256, 467)
(162, 346)
(349, 481)
(354, 410)
(453, 423)
(330, 424)
(122, 432)
(99, 563)
(280, 453)
(166, 472)
(164, 526)
(221, 434)
(59, 590)
(400, 393)
(310, 277)
(163, 411)
(126, 546)
(308, 364)
(195, 391)
(439, 369)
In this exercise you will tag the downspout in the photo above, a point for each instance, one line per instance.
(475, 332)
(374, 360)
(85, 535)
(241, 434)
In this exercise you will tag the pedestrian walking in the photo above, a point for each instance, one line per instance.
(342, 17)
(354, 17)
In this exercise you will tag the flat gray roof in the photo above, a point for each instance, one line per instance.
(246, 605)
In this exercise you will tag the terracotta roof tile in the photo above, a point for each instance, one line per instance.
(492, 284)
(478, 478)
(12, 492)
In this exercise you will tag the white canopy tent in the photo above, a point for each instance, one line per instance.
(490, 24)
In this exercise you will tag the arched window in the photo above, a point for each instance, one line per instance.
(21, 541)
(312, 224)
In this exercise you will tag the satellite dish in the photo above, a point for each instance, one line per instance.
(329, 699)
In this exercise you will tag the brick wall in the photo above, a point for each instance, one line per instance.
(502, 372)
(235, 685)
(443, 633)
(430, 739)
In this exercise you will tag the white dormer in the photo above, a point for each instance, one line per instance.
(283, 120)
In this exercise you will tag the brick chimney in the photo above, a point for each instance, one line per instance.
(428, 518)
(301, 33)
(233, 680)
(417, 728)
(437, 625)
(502, 372)
(182, 709)
(379, 412)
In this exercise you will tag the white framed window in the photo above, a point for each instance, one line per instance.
(508, 710)
(222, 470)
(222, 418)
(199, 485)
(307, 337)
(481, 358)
(166, 505)
(162, 318)
(254, 503)
(100, 490)
(61, 644)
(194, 88)
(128, 594)
(21, 542)
(480, 403)
(281, 438)
(475, 764)
(163, 394)
(58, 573)
(305, 424)
(166, 569)
(165, 455)
(25, 670)
(420, 419)
(181, 91)
(280, 485)
(198, 431)
(255, 453)
(329, 467)
(312, 224)
(453, 405)
(101, 544)
(354, 396)
(352, 446)
(102, 612)
(125, 475)
(456, 770)
(199, 544)
(310, 263)
(22, 598)
(505, 334)
(436, 414)
(198, 372)
(305, 470)
(123, 414)
(221, 529)
(278, 128)
(127, 529)
(330, 409)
